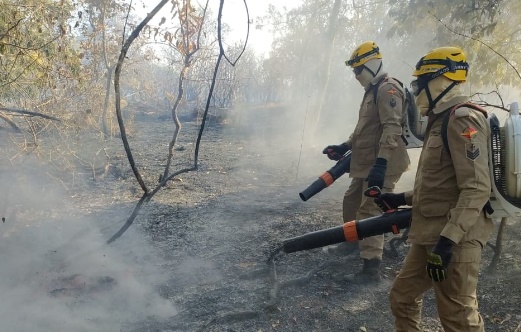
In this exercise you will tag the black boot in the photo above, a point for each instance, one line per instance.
(370, 273)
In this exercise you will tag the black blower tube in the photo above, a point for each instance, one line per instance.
(389, 222)
(326, 179)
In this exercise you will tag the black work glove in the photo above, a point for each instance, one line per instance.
(377, 173)
(390, 201)
(439, 259)
(336, 152)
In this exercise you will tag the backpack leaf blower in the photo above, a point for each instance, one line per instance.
(505, 169)
(352, 231)
(325, 180)
(504, 158)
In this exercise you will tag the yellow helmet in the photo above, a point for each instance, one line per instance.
(450, 62)
(363, 53)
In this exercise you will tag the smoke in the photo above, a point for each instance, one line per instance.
(57, 272)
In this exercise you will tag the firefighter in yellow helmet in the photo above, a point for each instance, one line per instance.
(378, 154)
(449, 225)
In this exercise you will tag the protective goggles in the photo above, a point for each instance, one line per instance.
(358, 70)
(419, 84)
(362, 56)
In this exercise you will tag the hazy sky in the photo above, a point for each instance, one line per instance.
(234, 15)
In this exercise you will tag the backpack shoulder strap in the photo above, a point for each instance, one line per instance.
(445, 123)
(399, 82)
(444, 126)
(376, 86)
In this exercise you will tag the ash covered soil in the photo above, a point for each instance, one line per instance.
(213, 231)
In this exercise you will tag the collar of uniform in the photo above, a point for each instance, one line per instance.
(376, 80)
(450, 103)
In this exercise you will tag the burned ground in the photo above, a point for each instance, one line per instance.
(214, 230)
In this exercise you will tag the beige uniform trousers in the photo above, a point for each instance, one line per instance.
(455, 297)
(357, 206)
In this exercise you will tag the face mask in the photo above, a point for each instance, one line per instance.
(441, 89)
(422, 102)
(365, 78)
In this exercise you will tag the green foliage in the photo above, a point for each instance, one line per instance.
(35, 45)
(486, 29)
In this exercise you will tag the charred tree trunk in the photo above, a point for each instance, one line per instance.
(175, 117)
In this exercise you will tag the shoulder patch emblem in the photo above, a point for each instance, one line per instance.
(469, 132)
(391, 91)
(472, 151)
(392, 102)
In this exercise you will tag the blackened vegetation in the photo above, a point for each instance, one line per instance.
(221, 227)
(78, 285)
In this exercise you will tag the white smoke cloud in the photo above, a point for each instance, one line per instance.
(57, 272)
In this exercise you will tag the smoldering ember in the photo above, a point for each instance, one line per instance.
(161, 173)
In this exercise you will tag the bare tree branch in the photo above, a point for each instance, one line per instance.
(130, 220)
(245, 43)
(484, 103)
(13, 125)
(117, 75)
(25, 112)
(188, 54)
(212, 86)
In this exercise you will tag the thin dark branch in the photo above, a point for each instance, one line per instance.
(484, 103)
(182, 77)
(11, 28)
(245, 43)
(13, 125)
(168, 178)
(212, 86)
(202, 23)
(130, 220)
(119, 65)
(25, 112)
(126, 21)
(28, 66)
(33, 48)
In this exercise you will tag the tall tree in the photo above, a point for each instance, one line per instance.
(186, 40)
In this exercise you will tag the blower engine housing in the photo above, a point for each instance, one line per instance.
(505, 164)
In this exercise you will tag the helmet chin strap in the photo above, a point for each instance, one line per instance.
(373, 73)
(432, 103)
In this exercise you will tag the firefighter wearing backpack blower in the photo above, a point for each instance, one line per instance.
(449, 226)
(378, 151)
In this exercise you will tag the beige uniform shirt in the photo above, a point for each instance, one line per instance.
(451, 188)
(378, 132)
